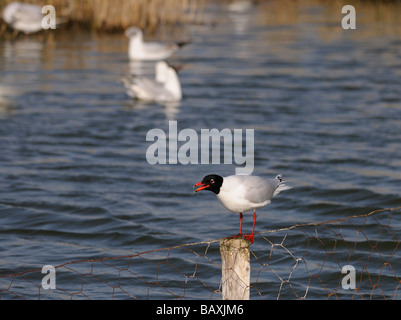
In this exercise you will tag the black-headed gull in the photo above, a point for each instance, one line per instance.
(23, 17)
(151, 51)
(242, 193)
(166, 86)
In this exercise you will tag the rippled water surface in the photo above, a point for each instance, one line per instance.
(325, 106)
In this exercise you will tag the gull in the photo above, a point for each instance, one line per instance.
(240, 6)
(242, 193)
(165, 87)
(23, 17)
(140, 50)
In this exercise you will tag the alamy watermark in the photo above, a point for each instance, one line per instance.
(348, 281)
(49, 280)
(188, 147)
(49, 20)
(349, 20)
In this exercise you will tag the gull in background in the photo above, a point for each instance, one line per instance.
(23, 17)
(165, 87)
(150, 51)
(240, 6)
(26, 18)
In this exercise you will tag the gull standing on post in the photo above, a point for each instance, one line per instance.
(151, 51)
(241, 193)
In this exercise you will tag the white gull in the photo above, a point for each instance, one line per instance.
(166, 86)
(242, 193)
(151, 51)
(23, 17)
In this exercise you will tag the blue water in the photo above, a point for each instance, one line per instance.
(75, 183)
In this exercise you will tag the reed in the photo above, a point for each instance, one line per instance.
(374, 18)
(117, 15)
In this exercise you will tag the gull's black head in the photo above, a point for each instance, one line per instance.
(211, 182)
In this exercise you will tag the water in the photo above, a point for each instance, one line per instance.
(75, 184)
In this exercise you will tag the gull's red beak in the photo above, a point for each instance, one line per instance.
(202, 186)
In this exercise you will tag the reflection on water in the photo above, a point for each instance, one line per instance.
(6, 96)
(324, 104)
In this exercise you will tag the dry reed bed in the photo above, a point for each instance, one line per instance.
(373, 17)
(116, 15)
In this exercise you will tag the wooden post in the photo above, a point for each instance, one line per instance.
(236, 270)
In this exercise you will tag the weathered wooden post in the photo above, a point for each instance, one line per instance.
(236, 268)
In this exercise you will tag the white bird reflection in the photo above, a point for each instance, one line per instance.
(7, 94)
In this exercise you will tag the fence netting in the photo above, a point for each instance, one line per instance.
(306, 261)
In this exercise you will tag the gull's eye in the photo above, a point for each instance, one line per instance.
(211, 181)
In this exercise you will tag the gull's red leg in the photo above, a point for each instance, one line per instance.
(254, 222)
(251, 237)
(241, 217)
(240, 227)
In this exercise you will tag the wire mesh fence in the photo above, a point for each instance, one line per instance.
(306, 261)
